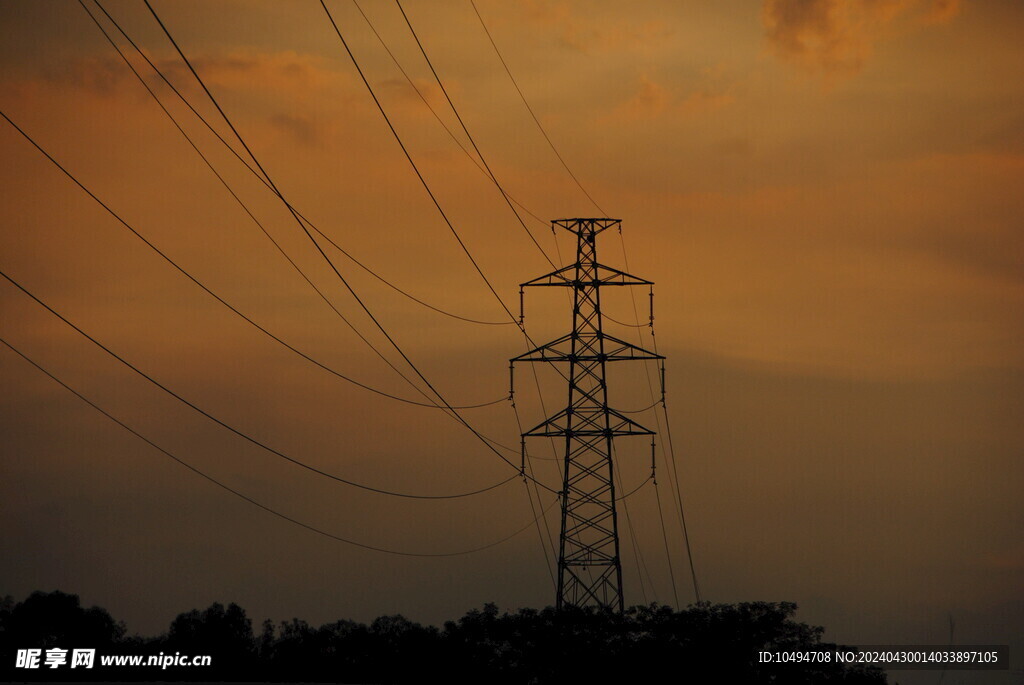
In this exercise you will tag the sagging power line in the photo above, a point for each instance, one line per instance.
(304, 223)
(254, 502)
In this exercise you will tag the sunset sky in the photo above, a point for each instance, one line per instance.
(827, 195)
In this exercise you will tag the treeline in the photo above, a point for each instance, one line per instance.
(702, 643)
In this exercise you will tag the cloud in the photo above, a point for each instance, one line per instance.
(652, 99)
(942, 11)
(406, 97)
(590, 36)
(279, 73)
(837, 36)
(300, 128)
(284, 72)
(258, 79)
(105, 76)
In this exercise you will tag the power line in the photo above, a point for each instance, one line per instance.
(641, 565)
(537, 524)
(262, 180)
(679, 502)
(530, 110)
(416, 169)
(640, 411)
(432, 197)
(207, 290)
(303, 220)
(408, 156)
(638, 488)
(334, 268)
(664, 537)
(469, 135)
(239, 433)
(252, 501)
(394, 287)
(670, 457)
(426, 102)
(628, 325)
(295, 266)
(527, 464)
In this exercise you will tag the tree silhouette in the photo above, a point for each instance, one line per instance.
(704, 642)
(224, 634)
(56, 619)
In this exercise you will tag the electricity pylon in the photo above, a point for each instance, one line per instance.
(589, 565)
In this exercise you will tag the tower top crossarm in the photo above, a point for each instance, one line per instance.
(587, 226)
(586, 230)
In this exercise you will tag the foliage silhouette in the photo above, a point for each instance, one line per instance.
(704, 642)
(55, 619)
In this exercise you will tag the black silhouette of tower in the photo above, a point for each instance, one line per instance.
(589, 565)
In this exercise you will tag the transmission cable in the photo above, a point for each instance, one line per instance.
(430, 107)
(547, 529)
(645, 481)
(234, 430)
(623, 323)
(250, 500)
(262, 180)
(679, 501)
(670, 457)
(530, 110)
(416, 169)
(640, 411)
(430, 404)
(214, 295)
(470, 136)
(641, 565)
(355, 296)
(415, 299)
(664, 537)
(476, 148)
(422, 179)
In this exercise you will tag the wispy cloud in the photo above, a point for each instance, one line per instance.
(283, 72)
(580, 31)
(652, 99)
(837, 36)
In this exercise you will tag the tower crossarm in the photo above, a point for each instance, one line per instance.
(590, 226)
(561, 350)
(624, 351)
(567, 276)
(560, 425)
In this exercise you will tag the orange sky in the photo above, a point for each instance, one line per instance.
(826, 194)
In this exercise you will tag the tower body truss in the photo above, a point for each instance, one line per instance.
(589, 566)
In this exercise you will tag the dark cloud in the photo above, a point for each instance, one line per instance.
(836, 36)
(301, 129)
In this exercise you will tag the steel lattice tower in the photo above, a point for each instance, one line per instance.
(589, 565)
